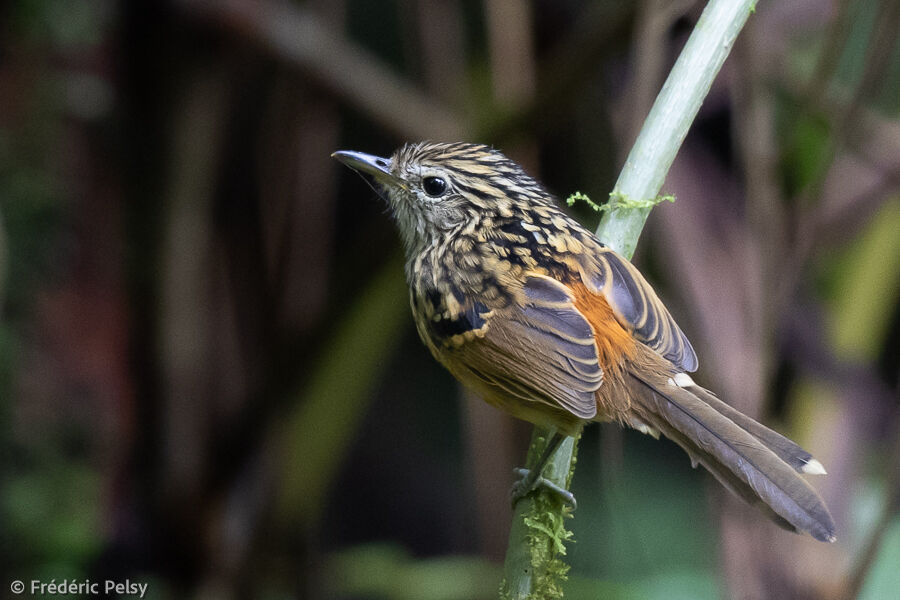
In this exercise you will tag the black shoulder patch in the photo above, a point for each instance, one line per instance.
(471, 319)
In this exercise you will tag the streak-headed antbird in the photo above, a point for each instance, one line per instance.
(531, 311)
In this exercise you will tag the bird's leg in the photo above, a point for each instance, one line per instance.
(531, 479)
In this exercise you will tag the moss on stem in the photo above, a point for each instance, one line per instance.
(534, 568)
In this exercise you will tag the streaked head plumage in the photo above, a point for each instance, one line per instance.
(435, 187)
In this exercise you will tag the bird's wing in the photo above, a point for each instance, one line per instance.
(637, 307)
(539, 349)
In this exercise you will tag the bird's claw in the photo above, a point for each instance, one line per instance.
(526, 484)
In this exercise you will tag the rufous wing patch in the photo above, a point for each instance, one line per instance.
(614, 343)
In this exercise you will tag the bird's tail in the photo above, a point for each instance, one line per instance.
(756, 463)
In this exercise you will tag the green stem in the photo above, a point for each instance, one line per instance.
(533, 568)
(672, 114)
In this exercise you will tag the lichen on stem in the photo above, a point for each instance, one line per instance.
(534, 568)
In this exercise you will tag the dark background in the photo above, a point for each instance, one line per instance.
(209, 379)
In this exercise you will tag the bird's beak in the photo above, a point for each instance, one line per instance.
(377, 167)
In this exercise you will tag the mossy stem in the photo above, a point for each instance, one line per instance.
(530, 572)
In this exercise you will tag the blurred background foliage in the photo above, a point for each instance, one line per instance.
(208, 377)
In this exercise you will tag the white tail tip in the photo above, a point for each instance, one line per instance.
(814, 467)
(683, 380)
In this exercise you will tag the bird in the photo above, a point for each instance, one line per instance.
(527, 308)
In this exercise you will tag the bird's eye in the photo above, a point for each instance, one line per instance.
(434, 186)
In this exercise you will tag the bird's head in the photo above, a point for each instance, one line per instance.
(434, 188)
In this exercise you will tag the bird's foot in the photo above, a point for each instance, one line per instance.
(529, 482)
